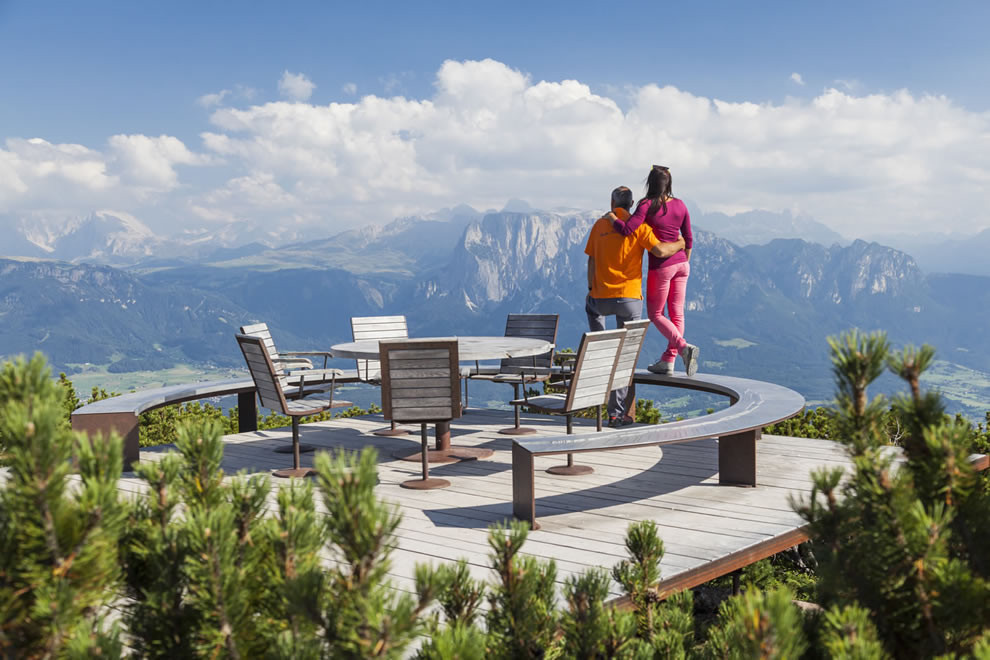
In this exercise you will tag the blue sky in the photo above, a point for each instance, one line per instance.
(80, 73)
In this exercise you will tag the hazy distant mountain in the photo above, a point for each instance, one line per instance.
(119, 239)
(761, 227)
(78, 313)
(939, 253)
(760, 310)
(403, 246)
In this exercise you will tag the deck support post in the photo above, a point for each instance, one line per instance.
(737, 458)
(523, 486)
(247, 412)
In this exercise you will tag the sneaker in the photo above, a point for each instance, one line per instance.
(690, 356)
(662, 368)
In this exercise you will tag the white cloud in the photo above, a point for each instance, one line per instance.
(148, 163)
(796, 77)
(349, 88)
(295, 86)
(212, 100)
(862, 163)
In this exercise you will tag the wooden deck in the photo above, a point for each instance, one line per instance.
(707, 529)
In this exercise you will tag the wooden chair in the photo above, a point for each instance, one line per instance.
(298, 362)
(369, 371)
(589, 386)
(271, 386)
(536, 326)
(421, 383)
(625, 365)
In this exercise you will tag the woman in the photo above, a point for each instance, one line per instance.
(666, 281)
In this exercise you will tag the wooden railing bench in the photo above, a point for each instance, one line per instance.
(121, 413)
(753, 405)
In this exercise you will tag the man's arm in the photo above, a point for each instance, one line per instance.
(664, 250)
(591, 272)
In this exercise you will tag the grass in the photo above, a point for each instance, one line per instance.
(968, 388)
(91, 375)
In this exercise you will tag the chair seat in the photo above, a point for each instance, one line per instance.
(545, 402)
(311, 406)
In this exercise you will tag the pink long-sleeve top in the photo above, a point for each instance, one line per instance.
(676, 222)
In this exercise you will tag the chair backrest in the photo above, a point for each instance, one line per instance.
(533, 326)
(593, 369)
(261, 331)
(625, 365)
(269, 381)
(420, 380)
(376, 327)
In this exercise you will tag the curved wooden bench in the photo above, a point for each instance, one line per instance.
(121, 413)
(754, 404)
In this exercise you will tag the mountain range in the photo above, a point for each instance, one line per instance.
(757, 310)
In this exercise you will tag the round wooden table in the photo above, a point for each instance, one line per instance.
(468, 349)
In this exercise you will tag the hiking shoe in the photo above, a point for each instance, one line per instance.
(662, 368)
(690, 356)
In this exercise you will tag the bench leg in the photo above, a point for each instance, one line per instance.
(737, 458)
(247, 412)
(126, 426)
(523, 486)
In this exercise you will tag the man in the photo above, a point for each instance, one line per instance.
(615, 284)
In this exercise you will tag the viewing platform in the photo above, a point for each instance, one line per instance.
(708, 529)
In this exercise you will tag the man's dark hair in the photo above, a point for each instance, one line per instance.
(622, 198)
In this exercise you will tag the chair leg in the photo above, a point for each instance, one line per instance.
(296, 470)
(516, 429)
(427, 482)
(599, 417)
(295, 448)
(570, 470)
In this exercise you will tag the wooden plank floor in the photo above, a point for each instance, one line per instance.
(584, 519)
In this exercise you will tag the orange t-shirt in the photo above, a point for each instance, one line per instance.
(618, 258)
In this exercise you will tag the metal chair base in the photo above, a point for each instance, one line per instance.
(388, 433)
(303, 449)
(517, 430)
(294, 473)
(570, 470)
(425, 484)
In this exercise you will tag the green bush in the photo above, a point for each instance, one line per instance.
(203, 566)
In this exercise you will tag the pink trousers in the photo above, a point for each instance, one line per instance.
(667, 287)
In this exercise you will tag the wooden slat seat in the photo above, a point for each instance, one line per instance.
(588, 386)
(376, 327)
(534, 326)
(295, 362)
(369, 371)
(421, 383)
(753, 405)
(271, 384)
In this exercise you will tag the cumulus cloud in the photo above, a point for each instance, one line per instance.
(489, 132)
(295, 86)
(796, 77)
(861, 163)
(37, 175)
(212, 100)
(148, 163)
